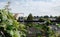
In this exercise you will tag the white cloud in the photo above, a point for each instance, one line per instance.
(17, 3)
(2, 4)
(36, 8)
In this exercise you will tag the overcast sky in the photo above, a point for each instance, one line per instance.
(36, 7)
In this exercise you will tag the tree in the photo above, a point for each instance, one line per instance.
(58, 18)
(9, 27)
(55, 17)
(51, 16)
(41, 19)
(46, 16)
(29, 18)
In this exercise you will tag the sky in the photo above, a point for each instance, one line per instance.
(36, 7)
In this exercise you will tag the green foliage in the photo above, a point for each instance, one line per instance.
(41, 19)
(46, 16)
(58, 18)
(45, 29)
(29, 18)
(14, 28)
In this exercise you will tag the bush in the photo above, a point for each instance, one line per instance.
(10, 25)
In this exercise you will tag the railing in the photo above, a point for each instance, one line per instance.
(36, 21)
